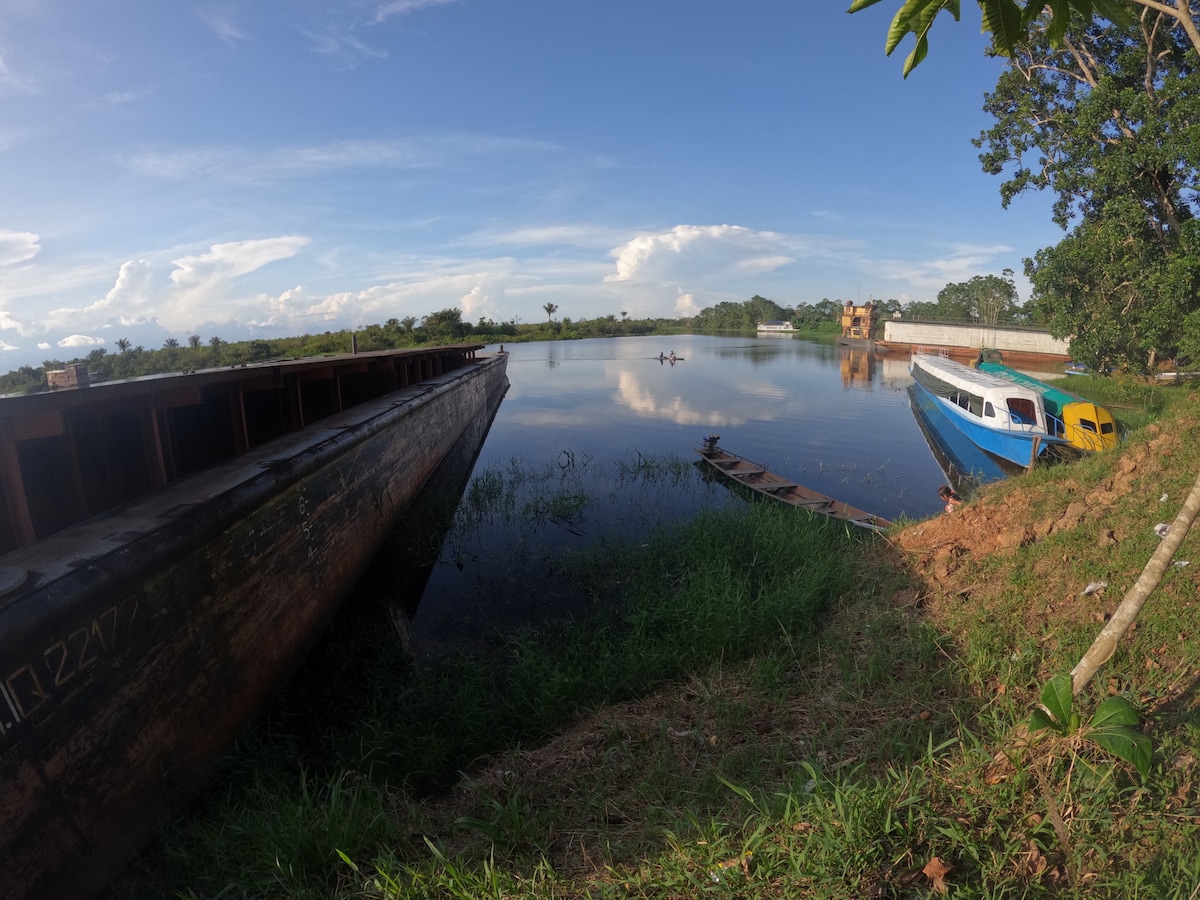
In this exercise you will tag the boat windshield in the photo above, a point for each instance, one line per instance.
(1022, 410)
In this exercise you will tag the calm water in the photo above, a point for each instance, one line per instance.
(582, 418)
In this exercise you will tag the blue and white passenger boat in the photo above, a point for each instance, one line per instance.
(1005, 419)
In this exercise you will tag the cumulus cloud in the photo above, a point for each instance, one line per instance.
(698, 250)
(18, 246)
(128, 295)
(75, 341)
(476, 302)
(9, 322)
(202, 285)
(686, 305)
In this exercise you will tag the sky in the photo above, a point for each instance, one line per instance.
(268, 168)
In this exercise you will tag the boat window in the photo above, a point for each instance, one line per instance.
(1022, 410)
(988, 410)
(1088, 425)
(1106, 427)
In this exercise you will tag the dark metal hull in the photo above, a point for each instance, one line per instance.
(143, 639)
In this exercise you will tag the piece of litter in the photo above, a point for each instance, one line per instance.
(1180, 563)
(1161, 529)
(1163, 498)
(1094, 587)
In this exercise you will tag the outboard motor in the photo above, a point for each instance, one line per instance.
(710, 441)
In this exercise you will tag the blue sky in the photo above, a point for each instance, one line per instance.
(247, 168)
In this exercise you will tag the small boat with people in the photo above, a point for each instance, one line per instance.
(765, 483)
(1003, 418)
(1086, 425)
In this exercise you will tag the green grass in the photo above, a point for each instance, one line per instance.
(753, 682)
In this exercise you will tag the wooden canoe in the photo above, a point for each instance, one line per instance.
(762, 481)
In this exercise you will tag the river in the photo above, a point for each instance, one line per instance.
(583, 444)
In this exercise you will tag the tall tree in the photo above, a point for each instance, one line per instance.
(550, 309)
(1107, 123)
(987, 299)
(123, 344)
(194, 341)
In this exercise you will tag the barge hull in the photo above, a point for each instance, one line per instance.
(126, 670)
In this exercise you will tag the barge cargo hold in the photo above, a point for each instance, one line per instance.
(173, 547)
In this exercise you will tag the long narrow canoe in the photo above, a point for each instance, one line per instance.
(762, 481)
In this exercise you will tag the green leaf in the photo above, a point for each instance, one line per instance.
(1060, 19)
(1003, 19)
(860, 4)
(1040, 720)
(1116, 11)
(1114, 711)
(1057, 698)
(1125, 743)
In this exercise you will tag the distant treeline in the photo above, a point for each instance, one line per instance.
(442, 327)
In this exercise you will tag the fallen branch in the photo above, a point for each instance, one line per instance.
(1106, 641)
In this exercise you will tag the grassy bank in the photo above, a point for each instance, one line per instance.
(761, 705)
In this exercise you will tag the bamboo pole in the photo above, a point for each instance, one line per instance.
(1105, 644)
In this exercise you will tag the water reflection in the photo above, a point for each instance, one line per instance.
(576, 457)
(858, 366)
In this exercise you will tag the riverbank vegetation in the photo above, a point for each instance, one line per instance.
(983, 299)
(761, 705)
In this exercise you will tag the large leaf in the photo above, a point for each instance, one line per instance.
(1114, 711)
(1041, 719)
(861, 4)
(1116, 11)
(1003, 19)
(1131, 746)
(1057, 698)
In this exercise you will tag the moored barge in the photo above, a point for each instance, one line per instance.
(172, 548)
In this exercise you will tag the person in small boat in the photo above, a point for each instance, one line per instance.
(949, 497)
(672, 357)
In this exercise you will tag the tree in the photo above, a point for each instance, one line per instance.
(446, 322)
(987, 299)
(550, 309)
(170, 343)
(1010, 22)
(407, 323)
(194, 341)
(123, 344)
(1106, 122)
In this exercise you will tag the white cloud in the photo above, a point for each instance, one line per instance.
(202, 284)
(961, 263)
(9, 322)
(75, 341)
(698, 251)
(17, 246)
(686, 305)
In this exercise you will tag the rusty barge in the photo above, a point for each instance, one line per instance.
(172, 547)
